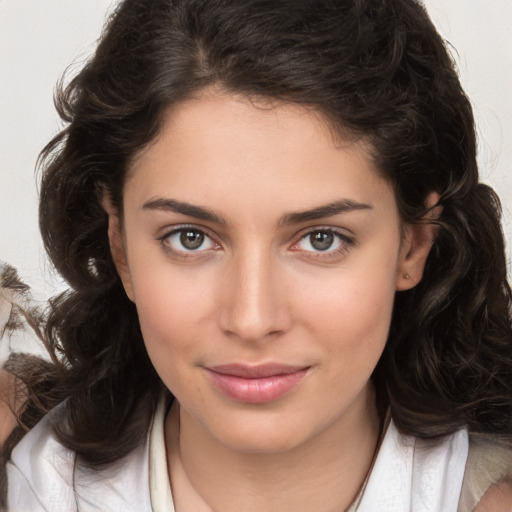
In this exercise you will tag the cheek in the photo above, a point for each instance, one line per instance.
(168, 297)
(352, 331)
(355, 317)
(168, 333)
(169, 310)
(353, 310)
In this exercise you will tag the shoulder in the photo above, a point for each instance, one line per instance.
(498, 498)
(487, 485)
(45, 475)
(40, 471)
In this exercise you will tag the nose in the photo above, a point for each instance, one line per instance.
(253, 298)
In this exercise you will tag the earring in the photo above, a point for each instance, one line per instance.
(407, 276)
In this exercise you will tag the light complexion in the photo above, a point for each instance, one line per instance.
(263, 257)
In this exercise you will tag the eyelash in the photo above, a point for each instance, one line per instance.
(185, 253)
(344, 243)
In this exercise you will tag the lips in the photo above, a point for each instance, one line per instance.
(256, 384)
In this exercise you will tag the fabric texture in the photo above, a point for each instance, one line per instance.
(44, 476)
(489, 462)
(408, 475)
(159, 485)
(411, 474)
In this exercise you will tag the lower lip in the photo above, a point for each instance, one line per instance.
(256, 391)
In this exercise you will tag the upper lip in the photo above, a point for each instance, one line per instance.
(259, 371)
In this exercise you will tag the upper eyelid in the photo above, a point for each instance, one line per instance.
(183, 254)
(342, 232)
(182, 227)
(346, 239)
(166, 232)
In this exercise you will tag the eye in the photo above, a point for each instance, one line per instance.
(322, 240)
(188, 239)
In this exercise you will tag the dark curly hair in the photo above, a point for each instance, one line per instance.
(375, 69)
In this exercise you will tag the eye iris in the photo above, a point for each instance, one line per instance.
(322, 240)
(191, 239)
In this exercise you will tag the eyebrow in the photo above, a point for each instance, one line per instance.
(327, 210)
(190, 210)
(202, 213)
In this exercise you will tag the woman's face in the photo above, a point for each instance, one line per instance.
(263, 257)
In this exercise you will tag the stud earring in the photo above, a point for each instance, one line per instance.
(407, 276)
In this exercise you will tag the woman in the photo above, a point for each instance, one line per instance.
(288, 287)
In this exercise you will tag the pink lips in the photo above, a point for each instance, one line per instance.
(256, 384)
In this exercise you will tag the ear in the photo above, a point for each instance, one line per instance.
(416, 244)
(116, 242)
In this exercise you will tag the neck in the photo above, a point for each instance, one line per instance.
(323, 474)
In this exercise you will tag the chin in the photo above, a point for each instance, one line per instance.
(265, 434)
(262, 442)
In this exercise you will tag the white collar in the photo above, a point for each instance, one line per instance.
(412, 474)
(159, 482)
(409, 474)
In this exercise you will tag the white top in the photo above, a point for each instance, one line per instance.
(159, 484)
(411, 474)
(43, 476)
(408, 475)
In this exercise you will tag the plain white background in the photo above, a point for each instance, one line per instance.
(40, 38)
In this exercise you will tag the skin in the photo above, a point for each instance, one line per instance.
(498, 498)
(11, 392)
(8, 405)
(258, 291)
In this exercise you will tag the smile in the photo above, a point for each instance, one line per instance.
(256, 384)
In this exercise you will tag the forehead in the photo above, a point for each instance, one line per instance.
(213, 103)
(218, 145)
